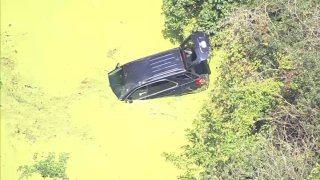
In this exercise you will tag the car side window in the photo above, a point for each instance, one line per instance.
(183, 76)
(139, 93)
(152, 89)
(160, 86)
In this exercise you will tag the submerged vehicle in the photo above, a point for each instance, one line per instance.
(173, 72)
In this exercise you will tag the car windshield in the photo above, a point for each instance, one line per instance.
(117, 82)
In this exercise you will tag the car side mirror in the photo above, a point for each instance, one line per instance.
(118, 64)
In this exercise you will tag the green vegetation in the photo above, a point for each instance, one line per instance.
(263, 121)
(46, 166)
(183, 16)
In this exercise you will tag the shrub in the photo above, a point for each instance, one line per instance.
(184, 16)
(47, 166)
(263, 120)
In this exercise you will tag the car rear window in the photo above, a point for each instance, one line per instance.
(183, 76)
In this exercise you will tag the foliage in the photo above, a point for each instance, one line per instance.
(46, 166)
(190, 15)
(315, 173)
(264, 118)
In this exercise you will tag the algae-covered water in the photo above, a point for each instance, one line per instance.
(57, 98)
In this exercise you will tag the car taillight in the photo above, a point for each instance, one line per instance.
(200, 81)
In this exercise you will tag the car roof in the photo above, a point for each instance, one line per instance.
(153, 67)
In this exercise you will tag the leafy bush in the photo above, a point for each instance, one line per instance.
(46, 166)
(264, 118)
(190, 15)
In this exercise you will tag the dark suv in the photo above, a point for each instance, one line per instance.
(173, 72)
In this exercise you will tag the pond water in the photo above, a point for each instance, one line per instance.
(66, 48)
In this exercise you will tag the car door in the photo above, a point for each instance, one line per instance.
(153, 90)
(162, 88)
(138, 93)
(186, 83)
